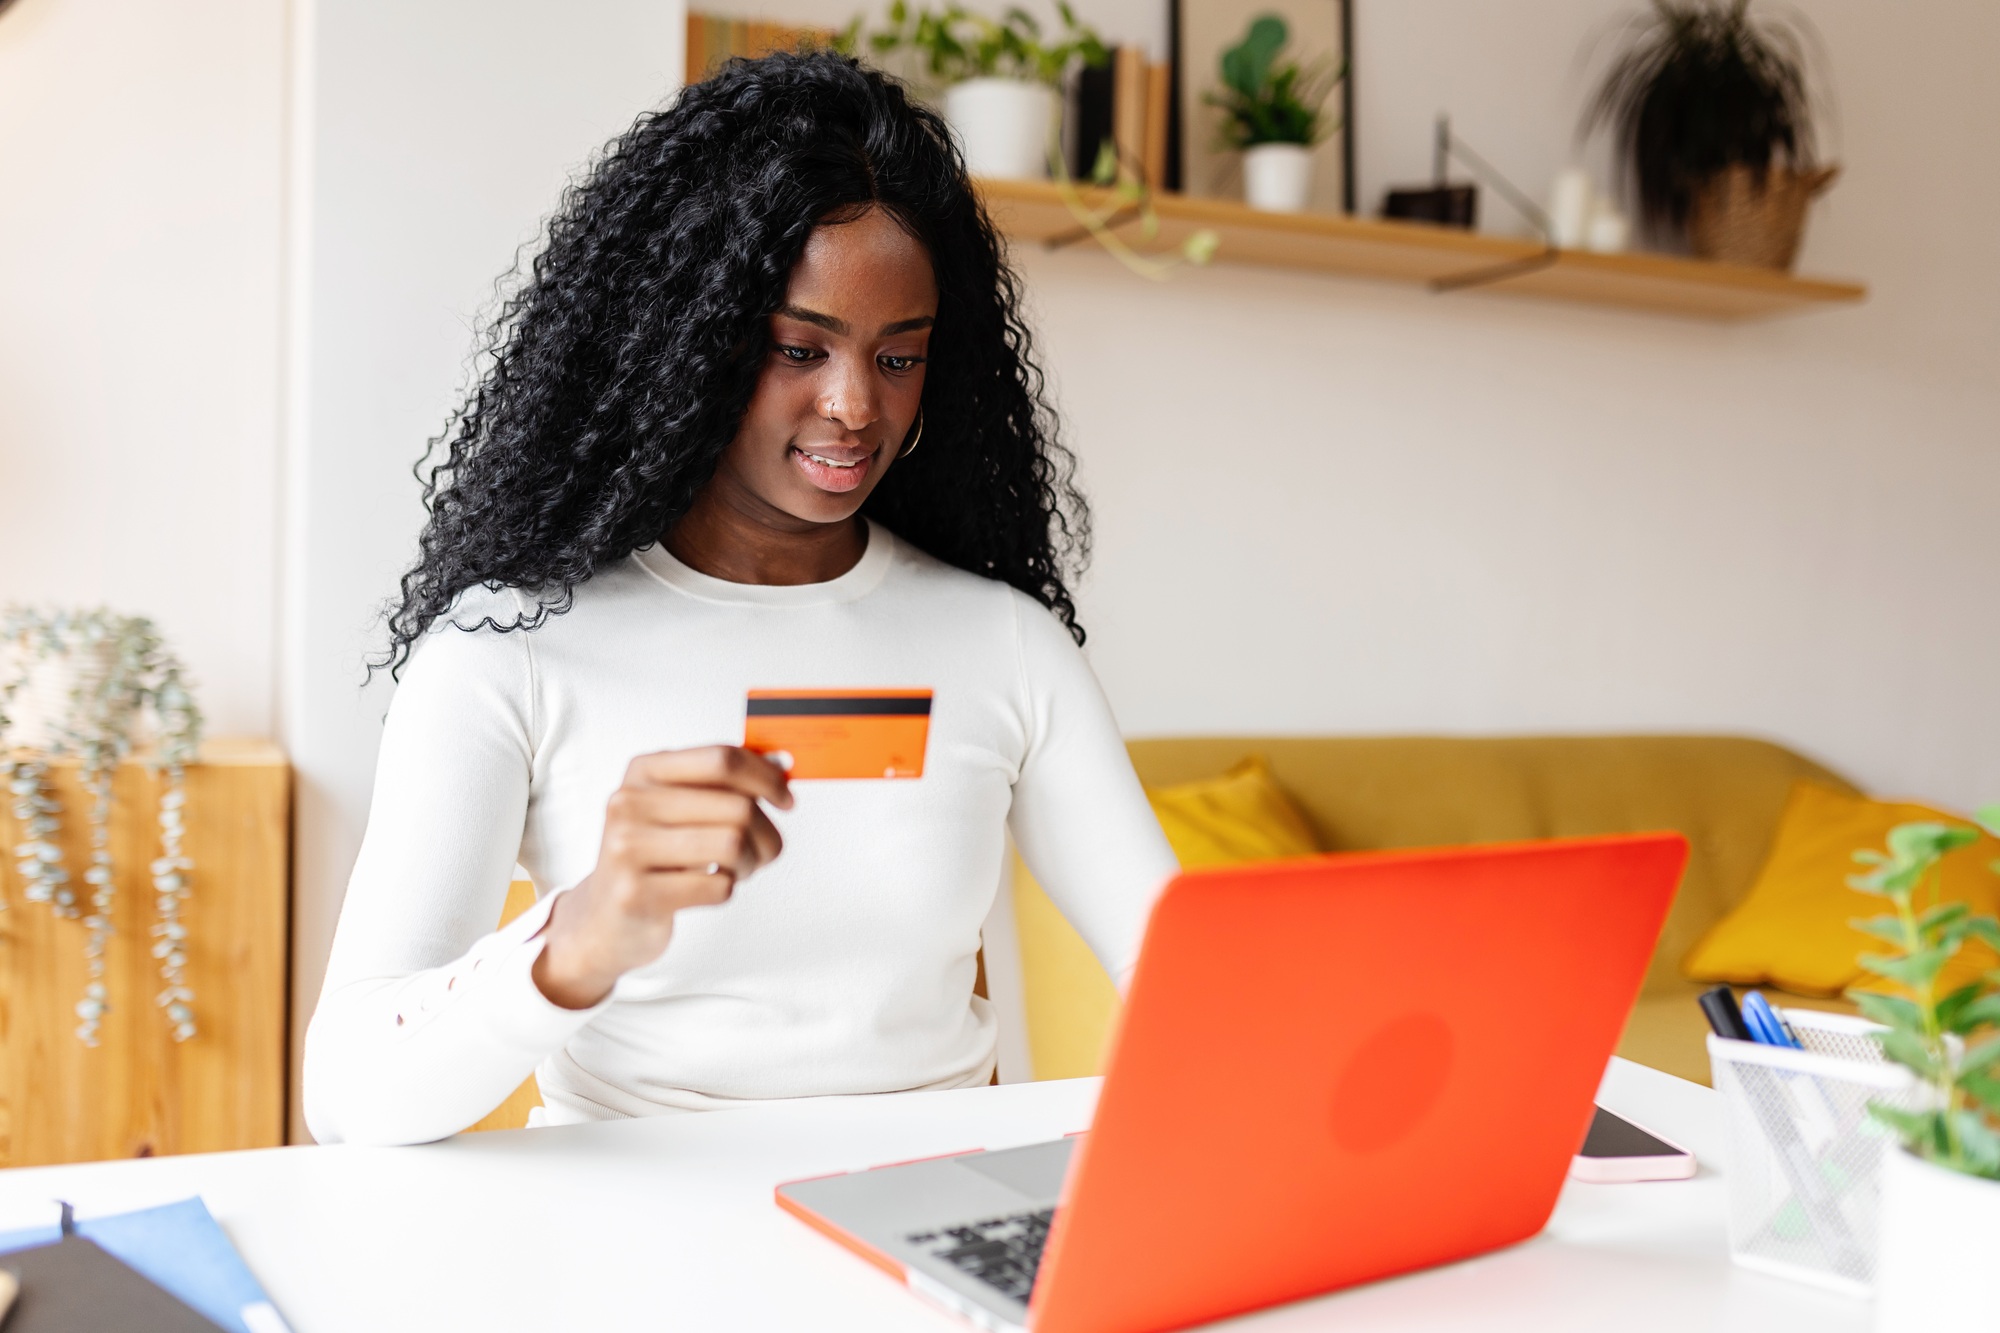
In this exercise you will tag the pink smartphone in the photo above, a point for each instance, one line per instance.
(1618, 1151)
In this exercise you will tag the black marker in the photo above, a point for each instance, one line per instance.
(1719, 1004)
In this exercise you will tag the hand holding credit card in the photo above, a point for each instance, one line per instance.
(840, 733)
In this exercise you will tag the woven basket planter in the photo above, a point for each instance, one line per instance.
(1740, 217)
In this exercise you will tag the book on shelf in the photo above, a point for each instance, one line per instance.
(1126, 102)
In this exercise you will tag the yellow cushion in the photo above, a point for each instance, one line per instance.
(1071, 1004)
(1792, 932)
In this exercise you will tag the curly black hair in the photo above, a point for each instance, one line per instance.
(621, 368)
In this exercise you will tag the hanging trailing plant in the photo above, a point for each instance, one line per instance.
(81, 684)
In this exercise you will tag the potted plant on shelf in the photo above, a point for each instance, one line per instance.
(1710, 115)
(1941, 1192)
(1274, 111)
(998, 75)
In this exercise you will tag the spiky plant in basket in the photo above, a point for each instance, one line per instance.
(1936, 1037)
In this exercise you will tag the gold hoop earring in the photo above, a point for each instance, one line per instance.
(911, 446)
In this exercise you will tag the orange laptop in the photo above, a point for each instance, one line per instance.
(1329, 1070)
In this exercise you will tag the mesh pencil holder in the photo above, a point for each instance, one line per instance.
(1804, 1176)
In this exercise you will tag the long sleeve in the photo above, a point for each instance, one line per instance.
(844, 967)
(429, 1017)
(1080, 816)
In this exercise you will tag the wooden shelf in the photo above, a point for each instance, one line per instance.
(1410, 252)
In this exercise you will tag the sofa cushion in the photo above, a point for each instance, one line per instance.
(1724, 793)
(1361, 793)
(1792, 930)
(1241, 816)
(1070, 1003)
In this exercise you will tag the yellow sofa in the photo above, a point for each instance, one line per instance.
(1362, 793)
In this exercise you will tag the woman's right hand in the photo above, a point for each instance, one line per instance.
(681, 831)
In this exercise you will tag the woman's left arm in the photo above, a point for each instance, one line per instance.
(429, 1016)
(1080, 816)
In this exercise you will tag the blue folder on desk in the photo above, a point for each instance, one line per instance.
(180, 1247)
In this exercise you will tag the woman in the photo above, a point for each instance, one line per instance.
(764, 416)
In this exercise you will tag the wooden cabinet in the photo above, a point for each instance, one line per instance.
(139, 1092)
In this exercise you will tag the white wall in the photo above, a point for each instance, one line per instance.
(438, 135)
(1322, 504)
(1329, 505)
(141, 171)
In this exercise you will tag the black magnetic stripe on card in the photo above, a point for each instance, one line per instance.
(839, 707)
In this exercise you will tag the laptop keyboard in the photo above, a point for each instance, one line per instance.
(1002, 1252)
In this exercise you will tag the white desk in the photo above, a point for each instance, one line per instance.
(669, 1223)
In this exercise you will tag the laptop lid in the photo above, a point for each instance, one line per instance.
(1336, 1069)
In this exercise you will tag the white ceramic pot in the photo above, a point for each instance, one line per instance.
(1277, 177)
(1939, 1228)
(45, 704)
(1002, 127)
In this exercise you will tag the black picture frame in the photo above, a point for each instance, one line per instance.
(1197, 22)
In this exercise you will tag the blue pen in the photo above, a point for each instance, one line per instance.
(1764, 1023)
(1757, 1017)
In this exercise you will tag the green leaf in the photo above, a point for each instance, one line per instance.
(1909, 1051)
(1912, 1127)
(1915, 971)
(1984, 929)
(1979, 1058)
(1201, 247)
(1891, 1011)
(1989, 818)
(1888, 928)
(1887, 880)
(1977, 1141)
(1982, 1088)
(1971, 1016)
(1951, 935)
(1105, 169)
(1247, 65)
(1948, 1008)
(1944, 914)
(1925, 841)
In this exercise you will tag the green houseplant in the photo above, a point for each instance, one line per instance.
(1941, 1193)
(1709, 112)
(1274, 111)
(998, 76)
(83, 684)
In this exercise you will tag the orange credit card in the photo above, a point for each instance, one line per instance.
(840, 733)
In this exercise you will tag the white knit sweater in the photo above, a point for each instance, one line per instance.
(846, 966)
